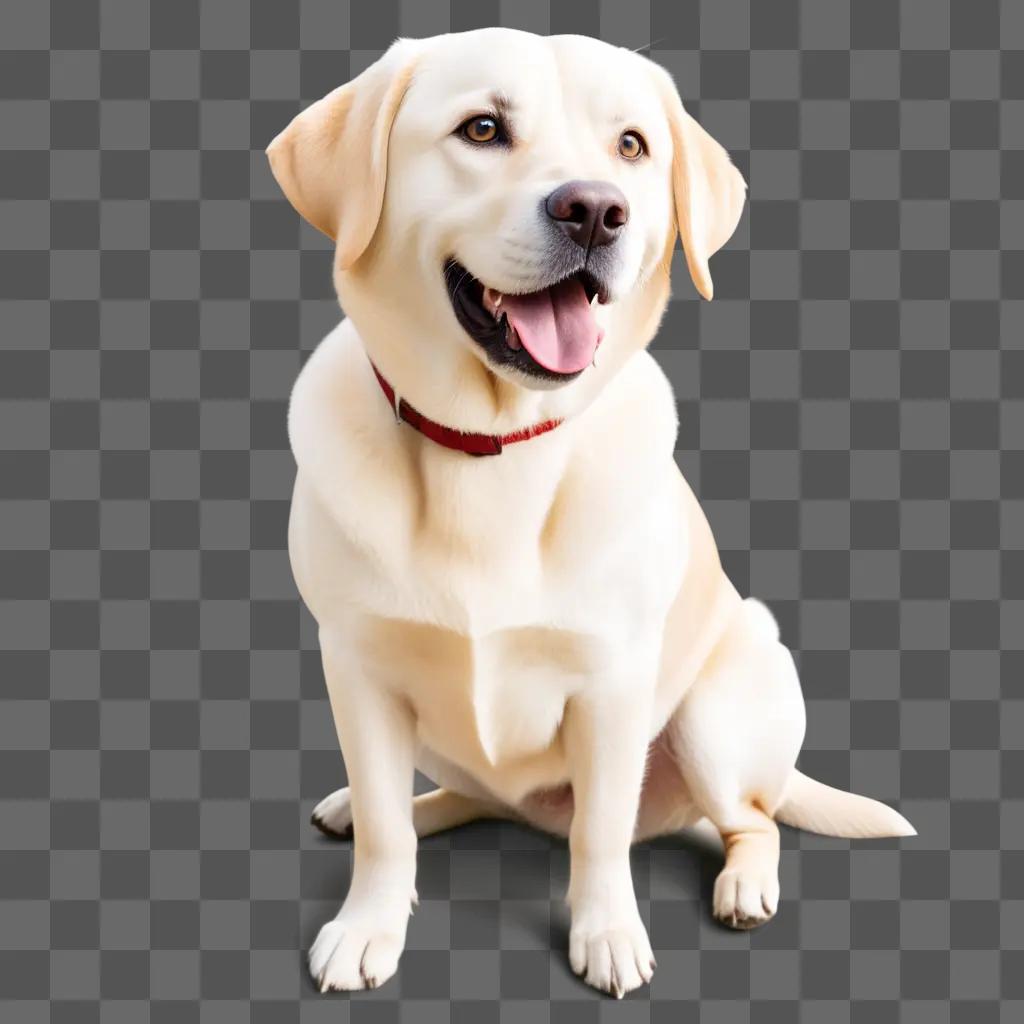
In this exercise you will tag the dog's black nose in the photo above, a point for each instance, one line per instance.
(591, 213)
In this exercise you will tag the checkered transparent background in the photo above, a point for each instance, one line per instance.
(852, 408)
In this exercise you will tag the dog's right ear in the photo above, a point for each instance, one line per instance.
(331, 160)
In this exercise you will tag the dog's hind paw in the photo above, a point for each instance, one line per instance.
(333, 815)
(745, 899)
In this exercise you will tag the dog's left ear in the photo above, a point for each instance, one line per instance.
(331, 160)
(709, 191)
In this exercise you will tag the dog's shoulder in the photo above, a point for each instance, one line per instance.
(333, 419)
(324, 381)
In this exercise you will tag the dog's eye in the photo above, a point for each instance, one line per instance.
(481, 130)
(631, 145)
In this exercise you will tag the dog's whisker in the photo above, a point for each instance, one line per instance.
(647, 46)
(462, 281)
(516, 244)
(527, 265)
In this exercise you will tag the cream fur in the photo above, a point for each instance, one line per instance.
(557, 615)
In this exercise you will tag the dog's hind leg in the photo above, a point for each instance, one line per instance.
(747, 889)
(736, 737)
(432, 812)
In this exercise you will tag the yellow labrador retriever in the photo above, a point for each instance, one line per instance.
(516, 590)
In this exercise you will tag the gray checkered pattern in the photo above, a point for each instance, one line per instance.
(852, 409)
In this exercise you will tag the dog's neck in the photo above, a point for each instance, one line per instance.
(473, 443)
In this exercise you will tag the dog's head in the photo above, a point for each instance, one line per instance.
(510, 198)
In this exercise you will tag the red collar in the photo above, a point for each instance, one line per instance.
(474, 444)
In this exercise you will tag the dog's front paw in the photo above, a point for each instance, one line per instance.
(358, 949)
(612, 953)
(745, 899)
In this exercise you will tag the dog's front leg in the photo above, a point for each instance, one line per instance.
(606, 738)
(361, 946)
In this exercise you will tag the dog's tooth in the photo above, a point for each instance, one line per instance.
(492, 301)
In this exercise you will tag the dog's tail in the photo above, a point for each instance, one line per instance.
(815, 807)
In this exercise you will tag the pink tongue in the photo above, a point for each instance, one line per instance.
(556, 326)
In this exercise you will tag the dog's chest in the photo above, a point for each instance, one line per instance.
(484, 701)
(487, 634)
(487, 652)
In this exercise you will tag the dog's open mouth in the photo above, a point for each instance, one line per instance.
(551, 333)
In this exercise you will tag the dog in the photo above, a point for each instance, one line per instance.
(516, 591)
